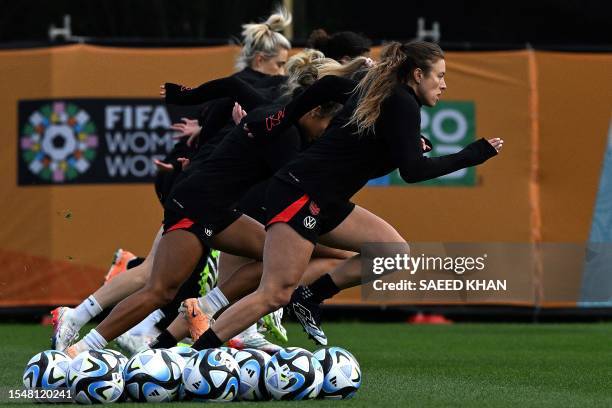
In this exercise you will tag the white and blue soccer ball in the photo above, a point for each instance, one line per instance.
(185, 352)
(95, 377)
(229, 350)
(153, 375)
(211, 375)
(252, 382)
(293, 374)
(342, 373)
(122, 359)
(46, 370)
(122, 363)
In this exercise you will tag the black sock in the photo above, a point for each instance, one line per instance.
(132, 263)
(164, 340)
(207, 340)
(323, 288)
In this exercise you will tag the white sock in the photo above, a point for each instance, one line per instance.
(94, 340)
(147, 326)
(214, 301)
(87, 310)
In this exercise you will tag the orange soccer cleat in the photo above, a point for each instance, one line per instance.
(197, 320)
(119, 264)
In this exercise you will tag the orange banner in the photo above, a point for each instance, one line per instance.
(57, 240)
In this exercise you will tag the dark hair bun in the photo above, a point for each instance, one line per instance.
(318, 40)
(339, 45)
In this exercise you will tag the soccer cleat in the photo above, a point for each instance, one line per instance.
(76, 349)
(197, 320)
(147, 326)
(119, 264)
(210, 273)
(254, 340)
(133, 344)
(65, 329)
(308, 313)
(273, 323)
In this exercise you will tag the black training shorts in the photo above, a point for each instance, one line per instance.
(288, 204)
(204, 232)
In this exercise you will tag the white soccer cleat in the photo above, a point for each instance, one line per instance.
(132, 344)
(147, 326)
(65, 329)
(251, 338)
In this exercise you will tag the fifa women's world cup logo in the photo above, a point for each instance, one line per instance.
(58, 142)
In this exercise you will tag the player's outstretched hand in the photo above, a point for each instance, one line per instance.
(426, 148)
(497, 143)
(189, 128)
(163, 166)
(238, 113)
(184, 162)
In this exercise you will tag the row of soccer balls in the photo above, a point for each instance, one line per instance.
(182, 373)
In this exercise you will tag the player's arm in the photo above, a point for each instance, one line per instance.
(328, 89)
(399, 123)
(229, 87)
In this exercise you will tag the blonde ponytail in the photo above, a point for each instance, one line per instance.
(305, 67)
(264, 38)
(302, 70)
(348, 70)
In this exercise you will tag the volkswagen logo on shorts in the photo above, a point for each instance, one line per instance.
(310, 222)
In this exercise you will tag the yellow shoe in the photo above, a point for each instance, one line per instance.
(197, 320)
(119, 265)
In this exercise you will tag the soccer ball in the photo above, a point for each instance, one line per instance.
(185, 352)
(211, 375)
(230, 350)
(46, 370)
(122, 363)
(153, 375)
(293, 374)
(252, 383)
(122, 359)
(342, 373)
(95, 377)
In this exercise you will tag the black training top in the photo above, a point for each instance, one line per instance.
(218, 97)
(216, 183)
(248, 87)
(239, 161)
(341, 162)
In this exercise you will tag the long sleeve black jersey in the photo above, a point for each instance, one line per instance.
(250, 88)
(341, 162)
(240, 160)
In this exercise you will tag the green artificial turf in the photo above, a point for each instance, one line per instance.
(554, 365)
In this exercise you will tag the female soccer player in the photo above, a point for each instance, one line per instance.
(206, 195)
(261, 63)
(377, 131)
